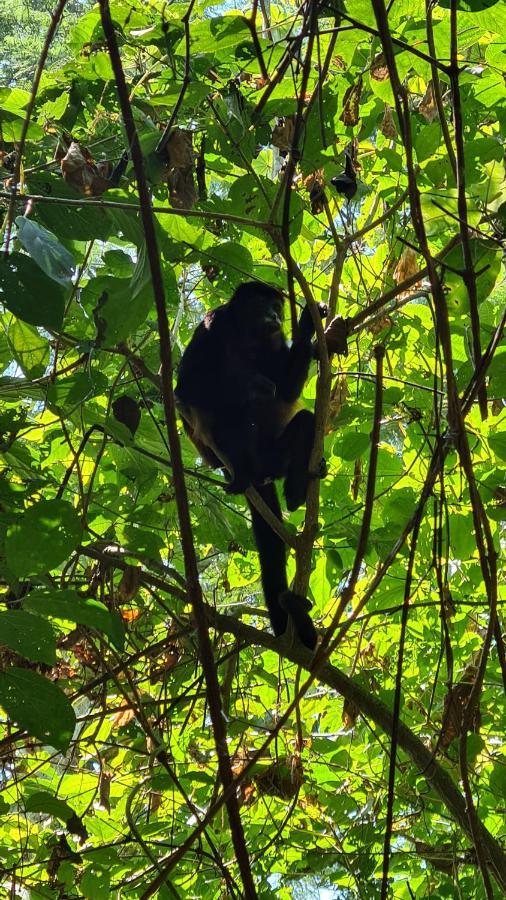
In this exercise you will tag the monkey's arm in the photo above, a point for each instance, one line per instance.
(295, 366)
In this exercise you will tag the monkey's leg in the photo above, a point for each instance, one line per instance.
(293, 449)
(235, 442)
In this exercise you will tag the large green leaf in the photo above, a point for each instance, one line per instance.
(67, 604)
(37, 705)
(46, 534)
(46, 250)
(26, 634)
(29, 293)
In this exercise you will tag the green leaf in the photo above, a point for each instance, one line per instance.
(29, 293)
(13, 99)
(46, 250)
(67, 393)
(28, 635)
(46, 534)
(29, 348)
(95, 886)
(44, 802)
(497, 443)
(352, 445)
(67, 604)
(37, 705)
(498, 781)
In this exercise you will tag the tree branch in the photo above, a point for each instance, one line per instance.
(191, 571)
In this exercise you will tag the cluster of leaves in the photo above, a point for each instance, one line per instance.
(108, 759)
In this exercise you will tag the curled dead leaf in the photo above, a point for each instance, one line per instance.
(129, 584)
(351, 103)
(428, 107)
(180, 169)
(455, 707)
(81, 172)
(387, 126)
(338, 396)
(282, 133)
(350, 713)
(315, 185)
(406, 267)
(379, 68)
(123, 717)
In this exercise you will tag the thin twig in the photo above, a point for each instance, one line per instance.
(55, 21)
(436, 86)
(162, 143)
(135, 208)
(469, 274)
(348, 592)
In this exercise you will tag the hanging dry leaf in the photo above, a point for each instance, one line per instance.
(129, 584)
(180, 149)
(338, 62)
(336, 336)
(315, 184)
(455, 705)
(427, 107)
(163, 665)
(379, 69)
(180, 169)
(130, 615)
(338, 396)
(379, 324)
(82, 173)
(350, 713)
(351, 103)
(281, 779)
(104, 790)
(282, 133)
(406, 267)
(155, 801)
(448, 609)
(123, 717)
(387, 126)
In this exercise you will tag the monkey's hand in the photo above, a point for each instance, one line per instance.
(306, 326)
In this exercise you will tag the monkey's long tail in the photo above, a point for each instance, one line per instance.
(272, 554)
(281, 602)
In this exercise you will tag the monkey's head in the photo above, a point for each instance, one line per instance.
(258, 312)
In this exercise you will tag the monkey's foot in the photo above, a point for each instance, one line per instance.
(237, 486)
(298, 608)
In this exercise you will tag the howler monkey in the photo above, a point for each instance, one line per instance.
(238, 389)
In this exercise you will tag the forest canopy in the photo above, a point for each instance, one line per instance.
(155, 738)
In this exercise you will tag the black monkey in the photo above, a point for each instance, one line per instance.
(238, 389)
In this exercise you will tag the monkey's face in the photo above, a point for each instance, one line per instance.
(258, 310)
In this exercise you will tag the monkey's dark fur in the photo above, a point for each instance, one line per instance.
(238, 389)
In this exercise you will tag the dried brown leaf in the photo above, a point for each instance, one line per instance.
(428, 107)
(351, 103)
